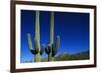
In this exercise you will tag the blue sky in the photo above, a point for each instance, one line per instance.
(73, 29)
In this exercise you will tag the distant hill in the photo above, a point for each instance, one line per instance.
(65, 56)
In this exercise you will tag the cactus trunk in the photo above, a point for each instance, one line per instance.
(51, 28)
(50, 57)
(52, 49)
(37, 36)
(37, 57)
(37, 30)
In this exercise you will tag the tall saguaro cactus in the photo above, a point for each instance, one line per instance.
(37, 35)
(36, 51)
(52, 48)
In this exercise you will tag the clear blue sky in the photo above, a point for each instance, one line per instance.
(73, 29)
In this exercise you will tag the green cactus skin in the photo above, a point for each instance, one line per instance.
(29, 41)
(51, 27)
(37, 29)
(50, 58)
(52, 49)
(36, 51)
(56, 46)
(37, 36)
(42, 49)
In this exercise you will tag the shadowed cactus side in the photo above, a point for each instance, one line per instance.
(52, 48)
(36, 51)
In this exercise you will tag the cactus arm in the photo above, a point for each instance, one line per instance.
(57, 43)
(29, 41)
(34, 52)
(48, 50)
(55, 48)
(42, 49)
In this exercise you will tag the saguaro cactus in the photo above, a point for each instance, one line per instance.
(36, 51)
(52, 48)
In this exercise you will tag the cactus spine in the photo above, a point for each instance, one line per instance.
(36, 51)
(52, 49)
